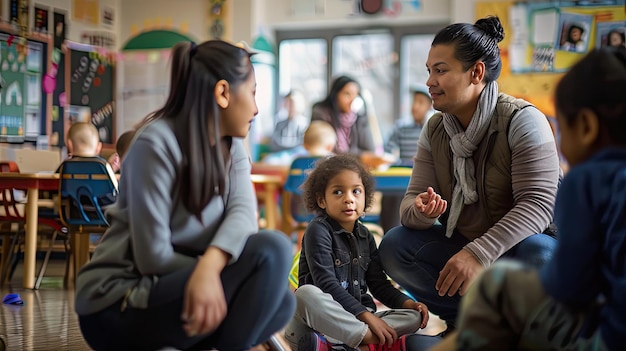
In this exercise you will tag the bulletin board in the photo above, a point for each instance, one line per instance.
(22, 102)
(90, 86)
(533, 53)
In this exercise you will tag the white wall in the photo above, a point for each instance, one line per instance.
(180, 13)
(462, 11)
(338, 13)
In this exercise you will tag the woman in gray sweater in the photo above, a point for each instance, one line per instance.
(180, 265)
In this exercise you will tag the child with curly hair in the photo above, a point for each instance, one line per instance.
(339, 263)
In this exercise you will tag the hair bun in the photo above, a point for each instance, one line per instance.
(492, 26)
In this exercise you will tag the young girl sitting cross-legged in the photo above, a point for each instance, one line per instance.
(338, 264)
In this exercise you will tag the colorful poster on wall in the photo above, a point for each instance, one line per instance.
(566, 34)
(533, 50)
(41, 19)
(21, 98)
(610, 34)
(87, 11)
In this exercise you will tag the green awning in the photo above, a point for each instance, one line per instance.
(155, 39)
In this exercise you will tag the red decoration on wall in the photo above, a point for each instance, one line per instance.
(371, 7)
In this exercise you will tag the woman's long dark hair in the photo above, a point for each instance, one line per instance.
(191, 106)
(331, 99)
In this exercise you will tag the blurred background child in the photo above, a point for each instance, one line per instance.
(403, 145)
(83, 140)
(122, 145)
(403, 141)
(319, 139)
(289, 132)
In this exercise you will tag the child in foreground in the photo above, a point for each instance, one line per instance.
(577, 301)
(338, 264)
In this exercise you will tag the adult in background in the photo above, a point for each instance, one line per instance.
(352, 127)
(484, 179)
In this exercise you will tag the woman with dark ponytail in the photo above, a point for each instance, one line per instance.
(484, 179)
(180, 265)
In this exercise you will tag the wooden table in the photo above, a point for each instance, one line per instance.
(267, 188)
(32, 182)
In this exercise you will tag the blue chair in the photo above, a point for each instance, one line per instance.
(88, 185)
(293, 213)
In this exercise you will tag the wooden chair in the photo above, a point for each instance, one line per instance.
(87, 186)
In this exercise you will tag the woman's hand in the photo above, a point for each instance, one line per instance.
(458, 274)
(204, 305)
(430, 204)
(419, 307)
(379, 328)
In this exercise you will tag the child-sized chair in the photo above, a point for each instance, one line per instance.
(87, 186)
(294, 215)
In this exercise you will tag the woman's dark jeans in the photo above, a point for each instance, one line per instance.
(256, 290)
(414, 258)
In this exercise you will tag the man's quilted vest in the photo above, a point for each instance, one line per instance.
(492, 160)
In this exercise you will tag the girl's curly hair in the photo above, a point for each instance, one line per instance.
(327, 168)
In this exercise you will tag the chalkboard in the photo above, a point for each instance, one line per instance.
(91, 89)
(22, 102)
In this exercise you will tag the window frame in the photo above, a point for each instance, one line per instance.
(329, 34)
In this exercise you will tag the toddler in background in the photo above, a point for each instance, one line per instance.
(122, 145)
(83, 140)
(319, 140)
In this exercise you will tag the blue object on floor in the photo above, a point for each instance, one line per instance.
(13, 299)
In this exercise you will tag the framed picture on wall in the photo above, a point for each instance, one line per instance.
(574, 32)
(610, 34)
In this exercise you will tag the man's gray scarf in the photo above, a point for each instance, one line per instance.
(463, 144)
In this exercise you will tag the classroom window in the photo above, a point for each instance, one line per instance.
(302, 66)
(413, 55)
(384, 60)
(369, 58)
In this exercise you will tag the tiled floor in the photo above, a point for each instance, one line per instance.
(47, 320)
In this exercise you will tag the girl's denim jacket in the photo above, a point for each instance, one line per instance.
(345, 265)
